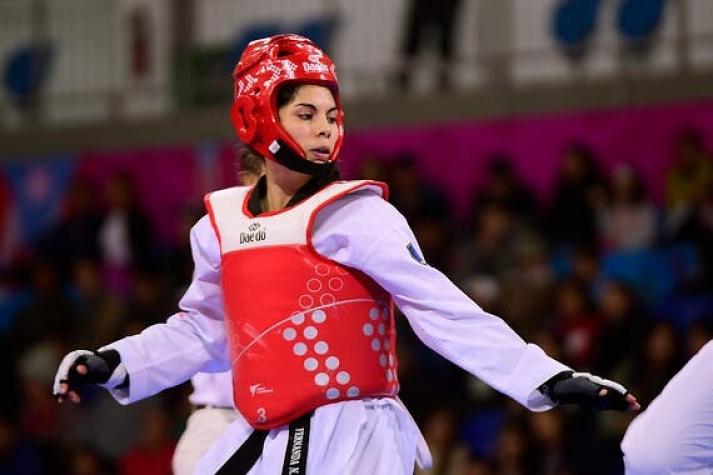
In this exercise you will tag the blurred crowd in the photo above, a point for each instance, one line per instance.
(599, 274)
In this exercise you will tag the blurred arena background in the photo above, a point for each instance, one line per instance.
(553, 157)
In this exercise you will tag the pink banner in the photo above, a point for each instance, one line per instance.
(455, 155)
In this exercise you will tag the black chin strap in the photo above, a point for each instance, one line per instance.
(289, 158)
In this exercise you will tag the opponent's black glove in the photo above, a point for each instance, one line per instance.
(584, 390)
(102, 367)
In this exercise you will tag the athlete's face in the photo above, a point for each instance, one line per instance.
(311, 120)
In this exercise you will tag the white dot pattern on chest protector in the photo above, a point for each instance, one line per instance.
(320, 286)
(321, 347)
(321, 379)
(343, 377)
(319, 316)
(332, 362)
(311, 364)
(310, 333)
(374, 313)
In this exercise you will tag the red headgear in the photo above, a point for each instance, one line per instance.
(264, 66)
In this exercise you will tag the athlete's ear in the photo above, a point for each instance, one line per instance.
(243, 118)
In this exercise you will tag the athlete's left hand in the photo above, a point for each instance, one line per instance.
(588, 390)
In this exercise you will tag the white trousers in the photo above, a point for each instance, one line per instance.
(371, 437)
(203, 428)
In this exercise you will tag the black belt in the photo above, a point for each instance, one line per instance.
(247, 454)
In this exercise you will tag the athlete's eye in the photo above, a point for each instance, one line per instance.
(305, 116)
(332, 119)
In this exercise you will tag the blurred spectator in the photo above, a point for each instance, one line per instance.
(629, 220)
(485, 255)
(374, 168)
(125, 236)
(477, 466)
(623, 328)
(425, 207)
(504, 187)
(658, 361)
(691, 176)
(576, 325)
(15, 295)
(426, 19)
(550, 452)
(75, 234)
(698, 228)
(412, 195)
(99, 313)
(150, 300)
(434, 237)
(101, 425)
(698, 334)
(17, 455)
(585, 267)
(527, 286)
(511, 452)
(579, 192)
(152, 455)
(7, 232)
(450, 456)
(179, 259)
(48, 314)
(84, 460)
(548, 342)
(38, 412)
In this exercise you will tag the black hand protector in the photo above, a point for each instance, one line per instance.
(584, 390)
(100, 367)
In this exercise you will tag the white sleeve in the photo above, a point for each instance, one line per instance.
(365, 232)
(192, 340)
(675, 433)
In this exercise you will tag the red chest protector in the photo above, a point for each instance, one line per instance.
(304, 331)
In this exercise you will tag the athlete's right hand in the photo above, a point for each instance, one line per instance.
(82, 367)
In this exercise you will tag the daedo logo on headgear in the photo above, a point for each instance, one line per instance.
(315, 67)
(254, 234)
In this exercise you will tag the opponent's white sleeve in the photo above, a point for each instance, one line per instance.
(365, 232)
(192, 340)
(212, 389)
(674, 435)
